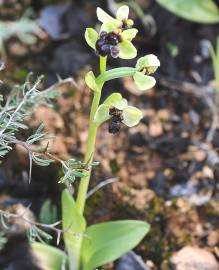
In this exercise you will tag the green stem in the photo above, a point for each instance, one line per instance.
(116, 73)
(84, 182)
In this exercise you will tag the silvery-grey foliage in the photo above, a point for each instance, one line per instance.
(13, 110)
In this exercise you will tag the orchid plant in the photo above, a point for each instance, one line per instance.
(93, 246)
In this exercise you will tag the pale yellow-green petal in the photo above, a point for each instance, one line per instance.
(102, 114)
(129, 34)
(127, 50)
(90, 81)
(117, 101)
(108, 27)
(131, 116)
(122, 13)
(144, 82)
(148, 61)
(104, 17)
(112, 98)
(91, 37)
(120, 104)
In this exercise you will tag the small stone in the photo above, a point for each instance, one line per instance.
(199, 155)
(213, 238)
(131, 261)
(163, 114)
(207, 171)
(155, 129)
(150, 264)
(193, 258)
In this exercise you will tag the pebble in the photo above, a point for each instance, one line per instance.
(131, 261)
(193, 258)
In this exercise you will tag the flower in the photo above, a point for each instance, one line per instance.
(121, 21)
(116, 109)
(116, 35)
(145, 66)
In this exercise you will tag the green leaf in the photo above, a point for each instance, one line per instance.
(106, 242)
(144, 82)
(127, 50)
(41, 235)
(41, 161)
(148, 61)
(131, 116)
(122, 13)
(90, 80)
(129, 34)
(102, 114)
(201, 11)
(68, 178)
(50, 257)
(48, 213)
(74, 224)
(91, 36)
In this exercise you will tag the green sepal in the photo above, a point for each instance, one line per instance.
(102, 114)
(129, 34)
(127, 50)
(144, 82)
(122, 13)
(117, 101)
(131, 116)
(90, 80)
(149, 62)
(91, 37)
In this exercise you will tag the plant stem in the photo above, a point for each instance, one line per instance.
(84, 182)
(116, 73)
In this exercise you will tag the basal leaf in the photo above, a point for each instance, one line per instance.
(73, 224)
(51, 257)
(201, 11)
(106, 242)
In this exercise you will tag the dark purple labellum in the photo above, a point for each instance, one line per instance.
(107, 44)
(114, 126)
(113, 38)
(103, 34)
(114, 51)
